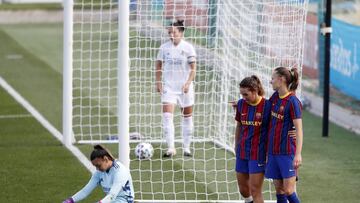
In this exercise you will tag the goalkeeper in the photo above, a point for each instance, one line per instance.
(175, 72)
(111, 175)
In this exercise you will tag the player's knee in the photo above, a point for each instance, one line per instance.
(245, 191)
(187, 115)
(255, 190)
(279, 187)
(288, 191)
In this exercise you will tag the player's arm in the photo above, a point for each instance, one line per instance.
(190, 78)
(299, 142)
(120, 182)
(87, 189)
(158, 73)
(192, 72)
(191, 60)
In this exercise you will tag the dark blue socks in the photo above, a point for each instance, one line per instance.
(281, 198)
(293, 198)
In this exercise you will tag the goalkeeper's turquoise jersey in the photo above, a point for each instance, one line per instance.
(115, 182)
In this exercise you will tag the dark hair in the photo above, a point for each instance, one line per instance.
(99, 152)
(291, 77)
(179, 24)
(254, 85)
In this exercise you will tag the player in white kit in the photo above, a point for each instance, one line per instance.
(111, 175)
(175, 72)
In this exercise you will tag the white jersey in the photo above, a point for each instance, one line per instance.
(115, 182)
(176, 62)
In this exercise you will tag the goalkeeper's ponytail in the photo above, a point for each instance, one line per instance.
(99, 152)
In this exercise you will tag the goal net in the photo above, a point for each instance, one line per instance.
(233, 39)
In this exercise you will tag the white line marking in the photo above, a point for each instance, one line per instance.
(15, 116)
(78, 154)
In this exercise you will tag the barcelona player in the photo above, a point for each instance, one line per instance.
(252, 116)
(284, 151)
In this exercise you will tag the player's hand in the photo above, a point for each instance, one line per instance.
(186, 87)
(292, 134)
(159, 87)
(233, 104)
(69, 200)
(297, 161)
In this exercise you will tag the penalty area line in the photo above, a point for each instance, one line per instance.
(47, 125)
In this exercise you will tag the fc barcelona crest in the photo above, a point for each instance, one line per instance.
(258, 115)
(281, 109)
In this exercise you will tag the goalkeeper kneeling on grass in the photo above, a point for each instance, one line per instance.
(111, 175)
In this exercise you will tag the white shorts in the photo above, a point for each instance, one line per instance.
(182, 99)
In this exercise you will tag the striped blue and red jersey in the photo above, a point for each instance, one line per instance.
(283, 111)
(254, 120)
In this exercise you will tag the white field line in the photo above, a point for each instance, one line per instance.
(15, 116)
(76, 152)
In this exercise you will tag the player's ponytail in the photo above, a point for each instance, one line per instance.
(179, 24)
(261, 91)
(291, 77)
(294, 79)
(99, 152)
(253, 83)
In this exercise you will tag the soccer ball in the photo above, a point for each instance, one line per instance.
(144, 151)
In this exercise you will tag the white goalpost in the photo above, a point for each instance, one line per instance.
(110, 49)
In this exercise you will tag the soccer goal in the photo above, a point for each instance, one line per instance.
(110, 99)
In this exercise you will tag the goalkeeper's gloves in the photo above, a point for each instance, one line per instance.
(69, 200)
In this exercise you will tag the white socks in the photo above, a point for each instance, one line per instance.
(248, 199)
(187, 131)
(169, 131)
(168, 126)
